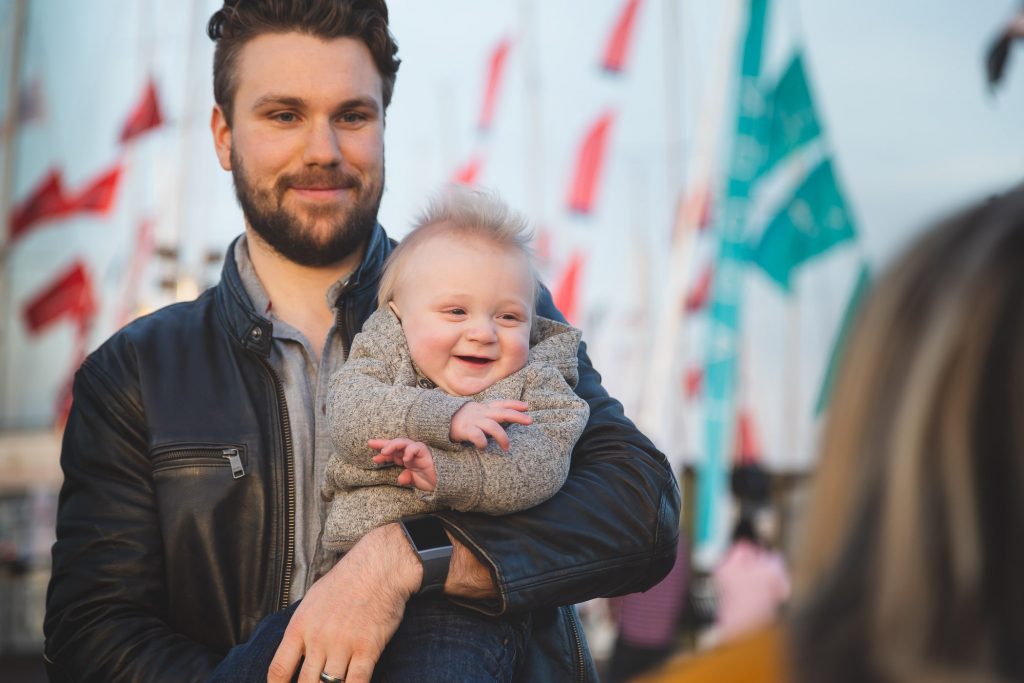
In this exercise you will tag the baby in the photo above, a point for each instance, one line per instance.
(465, 392)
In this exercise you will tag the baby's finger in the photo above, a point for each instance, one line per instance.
(478, 438)
(512, 417)
(497, 433)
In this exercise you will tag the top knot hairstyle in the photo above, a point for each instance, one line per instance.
(239, 21)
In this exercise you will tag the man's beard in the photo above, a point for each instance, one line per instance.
(288, 235)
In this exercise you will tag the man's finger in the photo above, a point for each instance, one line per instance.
(286, 659)
(335, 666)
(360, 669)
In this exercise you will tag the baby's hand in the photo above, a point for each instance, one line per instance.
(414, 456)
(474, 422)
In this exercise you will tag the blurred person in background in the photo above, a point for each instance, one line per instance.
(196, 442)
(751, 581)
(910, 556)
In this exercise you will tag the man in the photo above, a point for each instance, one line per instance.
(193, 452)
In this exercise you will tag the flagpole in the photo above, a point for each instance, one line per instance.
(535, 127)
(10, 141)
(657, 412)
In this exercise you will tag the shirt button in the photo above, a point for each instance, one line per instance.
(426, 383)
(256, 333)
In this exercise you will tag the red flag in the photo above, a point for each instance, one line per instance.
(566, 293)
(748, 444)
(98, 196)
(589, 164)
(618, 42)
(468, 173)
(47, 201)
(145, 116)
(693, 382)
(698, 296)
(494, 72)
(70, 296)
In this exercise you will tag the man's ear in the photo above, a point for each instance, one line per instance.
(221, 137)
(394, 309)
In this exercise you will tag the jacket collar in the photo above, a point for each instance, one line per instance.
(254, 331)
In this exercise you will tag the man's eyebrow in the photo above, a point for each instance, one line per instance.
(279, 100)
(298, 103)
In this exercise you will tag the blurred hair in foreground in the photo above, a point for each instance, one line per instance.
(912, 554)
(911, 559)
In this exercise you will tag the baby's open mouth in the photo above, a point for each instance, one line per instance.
(476, 360)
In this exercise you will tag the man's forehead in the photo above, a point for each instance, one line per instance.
(298, 65)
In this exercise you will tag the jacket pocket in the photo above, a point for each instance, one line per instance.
(231, 457)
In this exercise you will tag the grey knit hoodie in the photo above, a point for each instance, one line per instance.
(379, 394)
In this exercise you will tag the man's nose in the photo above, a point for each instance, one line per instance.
(322, 145)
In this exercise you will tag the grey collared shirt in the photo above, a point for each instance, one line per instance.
(305, 381)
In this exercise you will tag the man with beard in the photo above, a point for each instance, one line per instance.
(198, 437)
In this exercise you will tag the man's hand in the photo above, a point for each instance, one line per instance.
(474, 422)
(348, 616)
(414, 456)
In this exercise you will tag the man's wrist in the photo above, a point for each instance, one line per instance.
(429, 540)
(468, 578)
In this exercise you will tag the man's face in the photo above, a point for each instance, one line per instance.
(466, 307)
(306, 147)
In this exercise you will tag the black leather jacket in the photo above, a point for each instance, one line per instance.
(167, 554)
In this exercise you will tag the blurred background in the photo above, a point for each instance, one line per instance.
(707, 220)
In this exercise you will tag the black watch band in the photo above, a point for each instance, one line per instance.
(428, 538)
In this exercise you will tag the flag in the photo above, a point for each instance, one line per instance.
(145, 116)
(813, 221)
(698, 296)
(468, 173)
(618, 42)
(589, 163)
(693, 382)
(496, 68)
(71, 295)
(721, 359)
(567, 289)
(44, 203)
(793, 121)
(845, 327)
(748, 443)
(98, 196)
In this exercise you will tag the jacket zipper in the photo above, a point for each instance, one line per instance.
(289, 465)
(574, 627)
(229, 454)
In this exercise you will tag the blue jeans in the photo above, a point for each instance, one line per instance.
(437, 642)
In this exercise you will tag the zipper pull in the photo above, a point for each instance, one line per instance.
(237, 471)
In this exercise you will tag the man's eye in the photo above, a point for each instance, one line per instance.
(285, 117)
(352, 117)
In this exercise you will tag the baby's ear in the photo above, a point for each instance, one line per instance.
(394, 309)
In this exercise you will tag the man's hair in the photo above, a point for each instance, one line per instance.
(911, 542)
(459, 211)
(239, 21)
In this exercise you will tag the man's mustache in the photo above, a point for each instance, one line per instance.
(319, 178)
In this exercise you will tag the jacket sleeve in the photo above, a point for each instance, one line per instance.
(368, 401)
(106, 612)
(611, 529)
(537, 463)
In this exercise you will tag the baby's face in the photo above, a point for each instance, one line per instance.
(466, 307)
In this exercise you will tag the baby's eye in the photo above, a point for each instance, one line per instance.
(457, 311)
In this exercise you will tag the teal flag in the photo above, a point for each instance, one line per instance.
(746, 159)
(838, 348)
(813, 221)
(792, 122)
